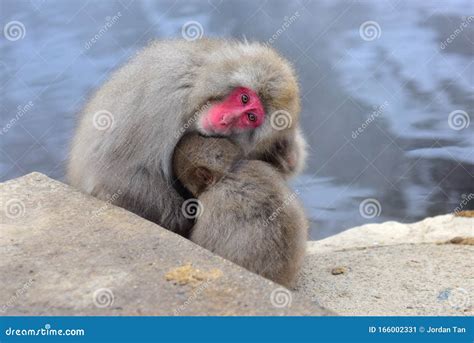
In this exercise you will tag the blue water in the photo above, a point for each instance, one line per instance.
(376, 102)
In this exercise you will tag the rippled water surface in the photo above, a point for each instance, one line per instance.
(379, 81)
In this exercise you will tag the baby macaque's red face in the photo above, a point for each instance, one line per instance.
(241, 110)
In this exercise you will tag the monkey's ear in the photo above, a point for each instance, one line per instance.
(205, 176)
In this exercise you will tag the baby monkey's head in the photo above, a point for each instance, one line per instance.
(199, 162)
(285, 151)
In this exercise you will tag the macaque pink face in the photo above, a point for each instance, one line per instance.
(241, 110)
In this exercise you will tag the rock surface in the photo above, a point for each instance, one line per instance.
(430, 230)
(395, 269)
(66, 253)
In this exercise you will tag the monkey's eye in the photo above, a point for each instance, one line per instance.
(244, 98)
(251, 116)
(282, 145)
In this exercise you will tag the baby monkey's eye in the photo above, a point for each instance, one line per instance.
(282, 145)
(251, 116)
(244, 98)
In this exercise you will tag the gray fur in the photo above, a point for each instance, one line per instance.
(154, 100)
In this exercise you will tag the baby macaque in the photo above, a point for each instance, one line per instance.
(287, 153)
(249, 215)
(128, 130)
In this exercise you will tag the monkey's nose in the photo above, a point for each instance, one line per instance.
(223, 121)
(228, 119)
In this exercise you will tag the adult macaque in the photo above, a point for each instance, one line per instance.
(131, 125)
(247, 213)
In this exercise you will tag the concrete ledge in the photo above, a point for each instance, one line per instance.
(66, 253)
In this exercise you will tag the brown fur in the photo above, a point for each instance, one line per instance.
(249, 214)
